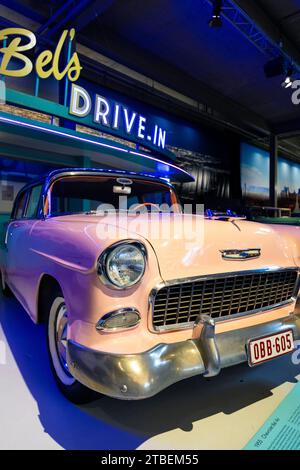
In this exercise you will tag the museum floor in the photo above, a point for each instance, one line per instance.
(220, 413)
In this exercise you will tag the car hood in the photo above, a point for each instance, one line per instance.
(189, 245)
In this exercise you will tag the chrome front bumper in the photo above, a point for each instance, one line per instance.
(139, 376)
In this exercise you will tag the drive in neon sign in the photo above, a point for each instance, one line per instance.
(18, 41)
(110, 114)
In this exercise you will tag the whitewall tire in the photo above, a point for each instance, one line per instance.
(57, 338)
(57, 330)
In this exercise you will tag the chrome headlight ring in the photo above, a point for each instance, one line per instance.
(107, 266)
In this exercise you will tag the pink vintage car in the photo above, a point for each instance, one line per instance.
(129, 311)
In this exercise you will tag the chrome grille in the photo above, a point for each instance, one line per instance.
(219, 296)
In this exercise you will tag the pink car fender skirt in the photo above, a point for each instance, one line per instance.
(139, 376)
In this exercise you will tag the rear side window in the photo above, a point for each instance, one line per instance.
(20, 206)
(33, 202)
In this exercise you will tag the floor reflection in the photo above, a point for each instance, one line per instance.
(111, 424)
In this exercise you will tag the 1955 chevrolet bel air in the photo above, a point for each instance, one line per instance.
(130, 312)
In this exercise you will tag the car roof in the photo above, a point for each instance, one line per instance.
(47, 178)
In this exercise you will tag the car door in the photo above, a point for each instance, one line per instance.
(17, 241)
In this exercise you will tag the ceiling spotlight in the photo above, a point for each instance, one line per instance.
(288, 81)
(216, 21)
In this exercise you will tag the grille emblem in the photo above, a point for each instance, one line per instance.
(239, 255)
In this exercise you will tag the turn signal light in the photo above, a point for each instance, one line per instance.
(119, 320)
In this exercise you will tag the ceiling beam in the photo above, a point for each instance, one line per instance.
(92, 12)
(24, 9)
(67, 17)
(272, 31)
(18, 18)
(45, 27)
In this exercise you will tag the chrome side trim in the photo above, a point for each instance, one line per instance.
(189, 325)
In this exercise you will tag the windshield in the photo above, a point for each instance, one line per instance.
(89, 194)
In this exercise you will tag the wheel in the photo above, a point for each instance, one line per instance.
(57, 348)
(4, 287)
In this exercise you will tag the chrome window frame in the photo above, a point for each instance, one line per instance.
(27, 189)
(57, 174)
(38, 207)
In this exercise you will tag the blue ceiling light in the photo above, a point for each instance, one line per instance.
(216, 21)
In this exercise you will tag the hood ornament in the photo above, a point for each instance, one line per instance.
(240, 255)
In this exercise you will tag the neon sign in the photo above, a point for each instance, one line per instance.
(46, 63)
(104, 112)
(110, 114)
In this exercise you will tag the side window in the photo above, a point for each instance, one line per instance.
(33, 202)
(20, 206)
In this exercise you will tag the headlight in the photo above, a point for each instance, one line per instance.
(122, 265)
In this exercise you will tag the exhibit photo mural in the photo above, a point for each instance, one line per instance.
(255, 178)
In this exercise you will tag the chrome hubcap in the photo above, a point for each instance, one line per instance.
(61, 336)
